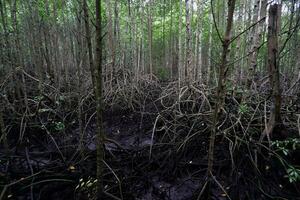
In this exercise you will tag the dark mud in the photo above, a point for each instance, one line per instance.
(51, 166)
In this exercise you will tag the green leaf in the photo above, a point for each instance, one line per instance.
(59, 126)
(44, 110)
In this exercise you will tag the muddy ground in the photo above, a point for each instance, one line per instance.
(142, 163)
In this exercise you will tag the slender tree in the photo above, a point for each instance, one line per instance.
(259, 10)
(198, 50)
(88, 39)
(209, 64)
(99, 100)
(3, 135)
(223, 69)
(273, 68)
(188, 51)
(170, 59)
(180, 58)
(150, 37)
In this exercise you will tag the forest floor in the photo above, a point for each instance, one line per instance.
(157, 149)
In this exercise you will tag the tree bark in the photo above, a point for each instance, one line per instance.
(99, 101)
(88, 39)
(198, 49)
(171, 59)
(188, 61)
(238, 65)
(220, 90)
(259, 11)
(150, 38)
(180, 59)
(273, 68)
(3, 135)
(209, 65)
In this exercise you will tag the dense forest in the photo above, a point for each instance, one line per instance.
(150, 99)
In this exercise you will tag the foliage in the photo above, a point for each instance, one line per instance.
(59, 126)
(38, 98)
(243, 109)
(293, 174)
(286, 147)
(162, 73)
(87, 187)
(49, 41)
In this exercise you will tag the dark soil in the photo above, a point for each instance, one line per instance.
(51, 167)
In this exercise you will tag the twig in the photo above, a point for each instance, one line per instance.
(241, 33)
(220, 186)
(119, 181)
(215, 23)
(152, 136)
(31, 171)
(16, 182)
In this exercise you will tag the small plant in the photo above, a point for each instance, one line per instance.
(38, 98)
(60, 100)
(59, 126)
(286, 146)
(243, 109)
(293, 174)
(43, 110)
(88, 187)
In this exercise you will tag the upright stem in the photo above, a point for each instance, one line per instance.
(180, 66)
(3, 135)
(99, 101)
(273, 67)
(221, 85)
(88, 39)
(188, 66)
(150, 37)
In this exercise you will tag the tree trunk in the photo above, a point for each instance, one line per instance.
(220, 90)
(198, 51)
(111, 41)
(209, 65)
(180, 60)
(3, 135)
(273, 68)
(88, 40)
(99, 100)
(253, 36)
(188, 61)
(171, 59)
(150, 38)
(57, 51)
(19, 57)
(259, 10)
(15, 52)
(238, 65)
